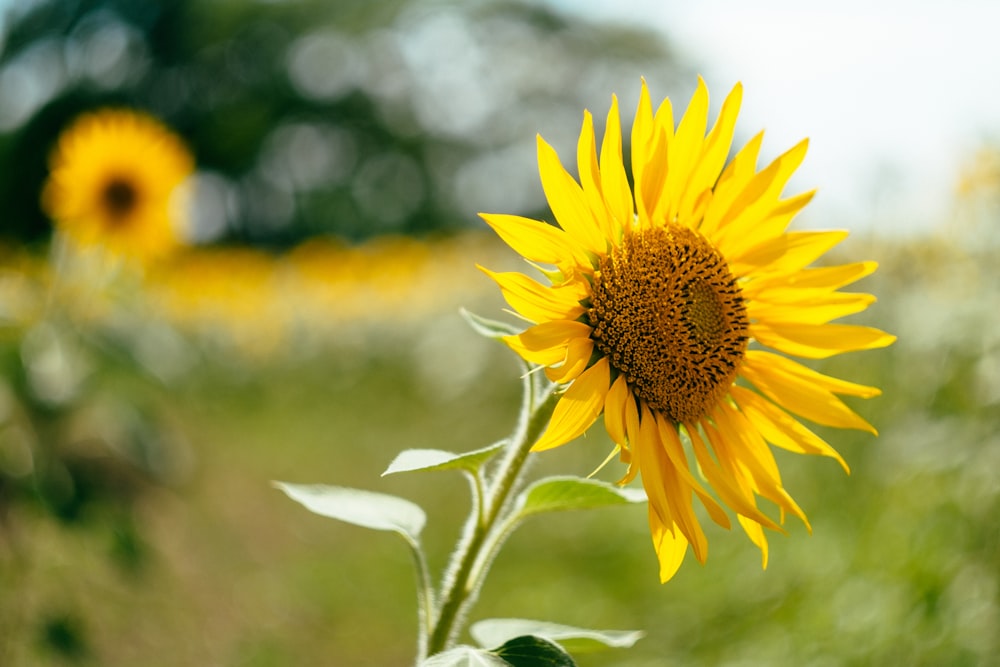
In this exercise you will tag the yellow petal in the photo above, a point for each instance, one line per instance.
(614, 411)
(590, 180)
(652, 467)
(756, 535)
(815, 309)
(653, 187)
(685, 149)
(546, 343)
(801, 396)
(779, 364)
(781, 429)
(567, 201)
(578, 408)
(766, 219)
(669, 544)
(643, 136)
(578, 354)
(732, 183)
(667, 494)
(675, 451)
(715, 152)
(787, 252)
(538, 241)
(758, 212)
(753, 453)
(614, 183)
(819, 341)
(726, 485)
(829, 277)
(537, 302)
(632, 437)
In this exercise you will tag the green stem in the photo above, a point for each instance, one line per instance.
(425, 598)
(462, 583)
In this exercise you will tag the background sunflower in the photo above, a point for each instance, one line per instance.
(115, 182)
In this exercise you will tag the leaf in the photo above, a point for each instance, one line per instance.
(528, 651)
(464, 656)
(489, 328)
(556, 494)
(378, 511)
(411, 460)
(494, 631)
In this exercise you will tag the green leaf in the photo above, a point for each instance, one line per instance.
(378, 511)
(528, 651)
(411, 460)
(494, 631)
(464, 656)
(487, 327)
(557, 494)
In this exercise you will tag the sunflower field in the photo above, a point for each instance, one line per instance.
(276, 276)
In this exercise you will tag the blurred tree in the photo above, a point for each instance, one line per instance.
(349, 118)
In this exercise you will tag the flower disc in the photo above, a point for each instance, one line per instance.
(670, 317)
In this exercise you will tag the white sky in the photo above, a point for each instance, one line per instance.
(893, 95)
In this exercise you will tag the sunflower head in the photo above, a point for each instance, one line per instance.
(114, 180)
(661, 301)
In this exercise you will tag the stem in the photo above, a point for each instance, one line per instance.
(461, 585)
(425, 598)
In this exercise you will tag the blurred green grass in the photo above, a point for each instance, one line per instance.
(901, 568)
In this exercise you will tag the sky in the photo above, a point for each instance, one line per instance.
(894, 95)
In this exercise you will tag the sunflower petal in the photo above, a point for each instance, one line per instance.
(781, 429)
(713, 158)
(801, 396)
(788, 252)
(537, 302)
(614, 411)
(822, 278)
(578, 354)
(819, 341)
(567, 200)
(669, 544)
(723, 481)
(756, 535)
(546, 343)
(590, 180)
(614, 183)
(816, 309)
(778, 363)
(685, 149)
(537, 241)
(578, 408)
(675, 451)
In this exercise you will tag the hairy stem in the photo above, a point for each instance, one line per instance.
(461, 585)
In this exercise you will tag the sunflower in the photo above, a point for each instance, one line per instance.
(661, 302)
(113, 174)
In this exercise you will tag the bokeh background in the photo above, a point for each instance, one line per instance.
(312, 330)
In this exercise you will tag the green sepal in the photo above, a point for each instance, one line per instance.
(412, 460)
(559, 494)
(494, 631)
(489, 328)
(377, 511)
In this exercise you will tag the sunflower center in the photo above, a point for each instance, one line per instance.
(119, 198)
(669, 316)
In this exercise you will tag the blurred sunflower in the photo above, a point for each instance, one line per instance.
(655, 297)
(113, 176)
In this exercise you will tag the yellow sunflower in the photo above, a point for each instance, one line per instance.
(662, 298)
(113, 176)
